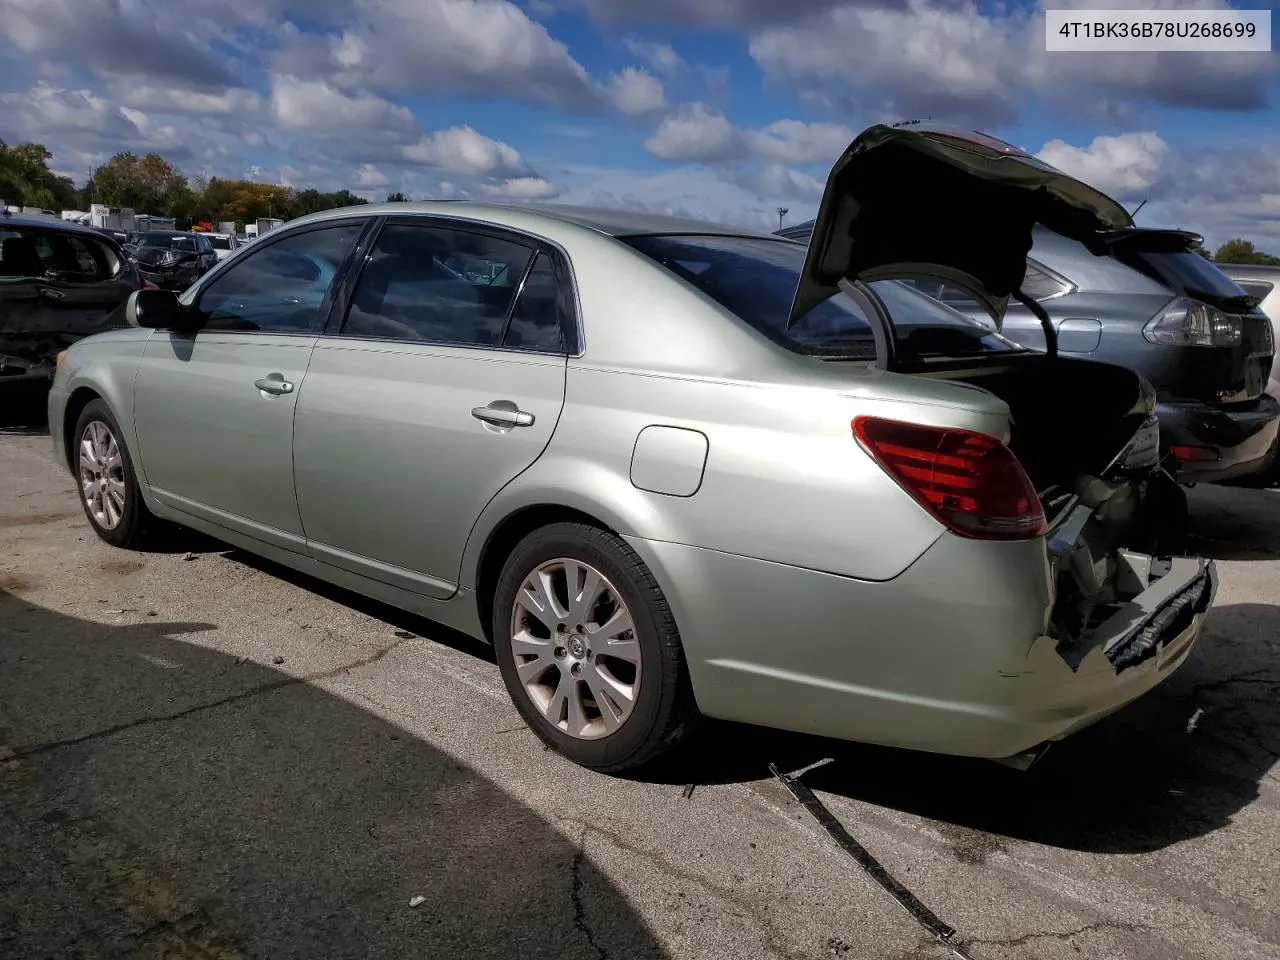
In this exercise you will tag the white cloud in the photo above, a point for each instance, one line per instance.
(701, 193)
(368, 177)
(637, 92)
(948, 60)
(797, 142)
(464, 150)
(925, 59)
(660, 56)
(46, 109)
(315, 106)
(1123, 165)
(126, 37)
(232, 101)
(469, 47)
(520, 188)
(695, 131)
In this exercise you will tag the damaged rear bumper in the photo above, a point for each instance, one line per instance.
(952, 656)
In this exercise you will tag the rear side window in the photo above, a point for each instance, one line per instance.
(424, 282)
(54, 255)
(756, 279)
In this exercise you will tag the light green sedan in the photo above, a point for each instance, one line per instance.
(671, 469)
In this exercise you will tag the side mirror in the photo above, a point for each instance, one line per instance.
(157, 309)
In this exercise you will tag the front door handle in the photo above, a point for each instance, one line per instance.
(274, 384)
(506, 415)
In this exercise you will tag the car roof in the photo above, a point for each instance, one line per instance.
(614, 223)
(67, 226)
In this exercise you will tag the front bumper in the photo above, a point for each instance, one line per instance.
(176, 280)
(1233, 441)
(949, 657)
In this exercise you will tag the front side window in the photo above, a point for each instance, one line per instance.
(756, 279)
(425, 282)
(281, 286)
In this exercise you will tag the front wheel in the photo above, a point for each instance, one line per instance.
(109, 491)
(589, 650)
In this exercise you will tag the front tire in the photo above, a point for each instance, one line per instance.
(589, 650)
(109, 491)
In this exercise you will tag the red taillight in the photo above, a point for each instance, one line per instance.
(148, 285)
(971, 482)
(1202, 454)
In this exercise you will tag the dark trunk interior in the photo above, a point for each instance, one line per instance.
(1070, 417)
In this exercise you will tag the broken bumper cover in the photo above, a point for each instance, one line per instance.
(1161, 615)
(951, 656)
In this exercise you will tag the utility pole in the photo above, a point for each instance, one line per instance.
(782, 212)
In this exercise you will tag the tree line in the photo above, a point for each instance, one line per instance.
(150, 184)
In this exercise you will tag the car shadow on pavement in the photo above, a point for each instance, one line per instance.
(1175, 765)
(158, 798)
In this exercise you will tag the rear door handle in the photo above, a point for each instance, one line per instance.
(275, 385)
(503, 416)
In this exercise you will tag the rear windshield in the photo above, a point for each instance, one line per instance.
(756, 279)
(1184, 272)
(220, 243)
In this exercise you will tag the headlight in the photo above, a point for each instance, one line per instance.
(169, 256)
(1189, 323)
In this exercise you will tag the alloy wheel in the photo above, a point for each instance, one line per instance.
(102, 475)
(575, 648)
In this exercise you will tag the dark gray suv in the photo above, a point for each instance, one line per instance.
(1154, 305)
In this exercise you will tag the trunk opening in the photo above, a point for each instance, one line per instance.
(1085, 434)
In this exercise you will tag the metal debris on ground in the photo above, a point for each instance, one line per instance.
(417, 901)
(277, 660)
(405, 635)
(688, 791)
(860, 855)
(189, 556)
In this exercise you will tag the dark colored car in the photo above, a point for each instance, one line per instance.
(173, 260)
(122, 237)
(1149, 302)
(59, 282)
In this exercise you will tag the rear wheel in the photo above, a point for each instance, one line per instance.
(589, 650)
(109, 491)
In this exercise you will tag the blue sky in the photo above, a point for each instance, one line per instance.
(725, 109)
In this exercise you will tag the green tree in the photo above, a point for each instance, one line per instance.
(147, 184)
(396, 197)
(1244, 252)
(26, 180)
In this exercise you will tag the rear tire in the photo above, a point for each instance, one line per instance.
(109, 492)
(589, 650)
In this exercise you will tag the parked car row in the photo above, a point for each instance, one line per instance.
(60, 281)
(672, 469)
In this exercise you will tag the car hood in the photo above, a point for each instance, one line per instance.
(917, 199)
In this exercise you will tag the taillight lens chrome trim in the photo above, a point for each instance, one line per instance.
(971, 482)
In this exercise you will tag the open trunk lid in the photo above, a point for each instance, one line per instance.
(925, 200)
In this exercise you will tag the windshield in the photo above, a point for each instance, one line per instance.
(756, 279)
(220, 243)
(168, 241)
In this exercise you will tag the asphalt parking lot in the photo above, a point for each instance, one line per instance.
(203, 755)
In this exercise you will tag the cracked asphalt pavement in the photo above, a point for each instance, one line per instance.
(203, 755)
